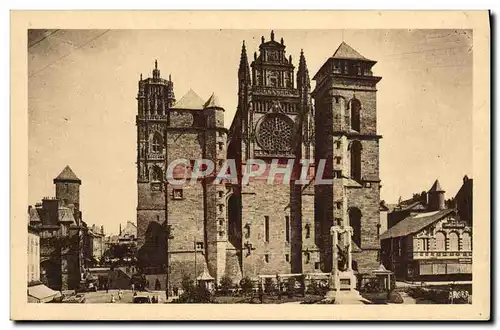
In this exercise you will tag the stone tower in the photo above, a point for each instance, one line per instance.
(68, 190)
(436, 197)
(346, 137)
(155, 96)
(265, 219)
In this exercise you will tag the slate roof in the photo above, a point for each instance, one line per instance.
(67, 174)
(436, 187)
(415, 223)
(190, 101)
(33, 215)
(344, 51)
(213, 102)
(66, 215)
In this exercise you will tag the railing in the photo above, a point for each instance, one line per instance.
(156, 156)
(271, 91)
(152, 117)
(441, 254)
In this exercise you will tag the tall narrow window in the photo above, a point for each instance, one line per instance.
(355, 114)
(287, 229)
(356, 160)
(221, 145)
(440, 241)
(308, 230)
(355, 223)
(466, 242)
(156, 144)
(453, 241)
(156, 173)
(266, 227)
(287, 257)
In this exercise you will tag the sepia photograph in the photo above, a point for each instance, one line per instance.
(289, 166)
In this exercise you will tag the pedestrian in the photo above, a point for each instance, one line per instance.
(120, 294)
(133, 287)
(176, 291)
(112, 298)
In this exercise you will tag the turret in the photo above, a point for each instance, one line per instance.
(436, 197)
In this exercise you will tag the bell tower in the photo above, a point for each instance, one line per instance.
(347, 139)
(154, 99)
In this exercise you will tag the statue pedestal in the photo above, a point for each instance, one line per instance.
(343, 288)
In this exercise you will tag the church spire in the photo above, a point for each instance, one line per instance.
(244, 69)
(156, 72)
(303, 73)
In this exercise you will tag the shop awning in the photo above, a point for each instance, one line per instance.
(42, 293)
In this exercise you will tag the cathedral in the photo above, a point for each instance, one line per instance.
(240, 229)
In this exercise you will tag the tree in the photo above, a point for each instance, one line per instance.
(225, 284)
(246, 285)
(269, 286)
(290, 289)
(187, 284)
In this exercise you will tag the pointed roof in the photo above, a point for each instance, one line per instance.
(213, 102)
(205, 276)
(344, 51)
(67, 174)
(436, 187)
(191, 101)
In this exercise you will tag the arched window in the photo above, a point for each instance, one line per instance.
(466, 242)
(356, 160)
(355, 114)
(355, 223)
(156, 143)
(156, 173)
(440, 241)
(453, 241)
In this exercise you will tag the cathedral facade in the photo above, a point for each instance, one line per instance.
(241, 229)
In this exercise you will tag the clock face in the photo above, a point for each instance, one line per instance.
(275, 133)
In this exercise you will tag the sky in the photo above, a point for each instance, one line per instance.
(82, 86)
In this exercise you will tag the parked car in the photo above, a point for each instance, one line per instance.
(141, 299)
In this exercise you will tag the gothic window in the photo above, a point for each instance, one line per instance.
(355, 114)
(156, 173)
(356, 160)
(440, 241)
(355, 223)
(466, 242)
(308, 257)
(266, 257)
(156, 143)
(308, 230)
(275, 133)
(221, 145)
(287, 257)
(453, 241)
(221, 194)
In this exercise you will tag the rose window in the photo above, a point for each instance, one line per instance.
(275, 133)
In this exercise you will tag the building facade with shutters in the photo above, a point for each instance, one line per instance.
(248, 229)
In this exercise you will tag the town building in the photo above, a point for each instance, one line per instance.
(428, 240)
(64, 240)
(97, 243)
(37, 291)
(238, 229)
(128, 235)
